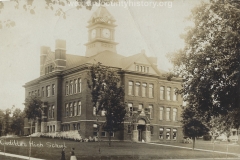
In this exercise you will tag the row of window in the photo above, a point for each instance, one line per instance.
(141, 68)
(75, 126)
(139, 89)
(150, 108)
(49, 69)
(48, 90)
(168, 134)
(73, 87)
(51, 128)
(102, 133)
(73, 109)
(51, 111)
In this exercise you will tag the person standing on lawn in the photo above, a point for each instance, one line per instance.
(73, 157)
(63, 154)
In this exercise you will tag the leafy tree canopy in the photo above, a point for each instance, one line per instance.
(107, 95)
(57, 6)
(210, 62)
(33, 107)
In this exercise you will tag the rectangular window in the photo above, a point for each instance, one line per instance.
(147, 69)
(140, 107)
(53, 89)
(112, 134)
(168, 114)
(174, 134)
(66, 110)
(160, 133)
(144, 69)
(137, 89)
(151, 130)
(95, 129)
(75, 109)
(175, 95)
(42, 91)
(130, 108)
(103, 134)
(150, 90)
(38, 92)
(151, 111)
(174, 114)
(78, 126)
(53, 111)
(161, 113)
(162, 93)
(137, 67)
(71, 110)
(48, 91)
(49, 112)
(144, 89)
(168, 93)
(129, 130)
(168, 137)
(67, 88)
(79, 85)
(79, 108)
(76, 86)
(94, 111)
(103, 113)
(71, 87)
(130, 88)
(53, 128)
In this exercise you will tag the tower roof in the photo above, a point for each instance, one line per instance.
(103, 14)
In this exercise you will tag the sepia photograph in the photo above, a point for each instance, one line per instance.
(119, 79)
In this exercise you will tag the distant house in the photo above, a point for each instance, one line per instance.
(62, 86)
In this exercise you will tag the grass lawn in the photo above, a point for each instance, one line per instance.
(87, 151)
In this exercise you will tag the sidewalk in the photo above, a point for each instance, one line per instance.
(18, 156)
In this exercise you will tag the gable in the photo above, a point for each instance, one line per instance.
(141, 63)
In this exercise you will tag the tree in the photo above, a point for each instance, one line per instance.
(17, 122)
(33, 110)
(210, 62)
(192, 126)
(57, 6)
(108, 96)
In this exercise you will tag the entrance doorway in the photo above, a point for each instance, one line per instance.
(140, 128)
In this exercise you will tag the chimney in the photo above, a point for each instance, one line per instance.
(60, 54)
(44, 50)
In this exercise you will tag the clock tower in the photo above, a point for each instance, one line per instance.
(101, 30)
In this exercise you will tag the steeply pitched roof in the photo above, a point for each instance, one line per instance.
(102, 12)
(74, 60)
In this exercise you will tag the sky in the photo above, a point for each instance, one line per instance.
(156, 29)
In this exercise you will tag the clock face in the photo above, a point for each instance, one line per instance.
(106, 33)
(94, 32)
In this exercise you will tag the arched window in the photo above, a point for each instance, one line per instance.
(137, 88)
(151, 90)
(52, 111)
